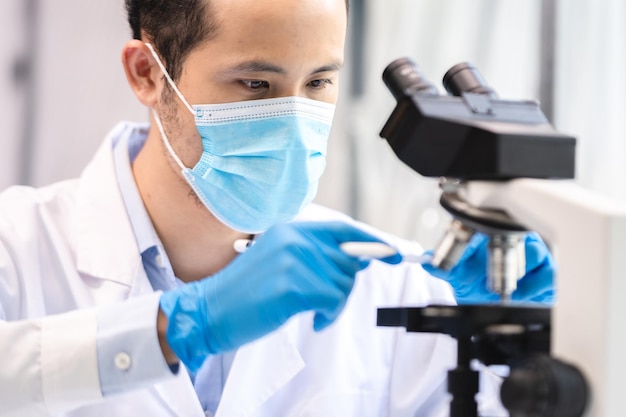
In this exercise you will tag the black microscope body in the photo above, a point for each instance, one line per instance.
(472, 135)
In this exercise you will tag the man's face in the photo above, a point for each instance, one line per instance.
(268, 48)
(260, 49)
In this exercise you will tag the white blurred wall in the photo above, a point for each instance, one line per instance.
(80, 87)
(11, 104)
(591, 90)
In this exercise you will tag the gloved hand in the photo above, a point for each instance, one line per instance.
(291, 268)
(468, 277)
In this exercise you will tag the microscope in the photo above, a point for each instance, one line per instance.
(504, 171)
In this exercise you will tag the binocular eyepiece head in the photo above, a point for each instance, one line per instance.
(403, 77)
(470, 133)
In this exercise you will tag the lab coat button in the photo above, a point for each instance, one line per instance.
(123, 361)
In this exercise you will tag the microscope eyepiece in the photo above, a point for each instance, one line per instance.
(403, 77)
(465, 78)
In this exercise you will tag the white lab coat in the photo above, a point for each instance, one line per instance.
(69, 248)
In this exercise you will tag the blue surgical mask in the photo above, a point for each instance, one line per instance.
(261, 159)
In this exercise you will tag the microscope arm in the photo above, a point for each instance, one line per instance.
(587, 235)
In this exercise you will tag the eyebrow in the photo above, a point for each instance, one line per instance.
(260, 66)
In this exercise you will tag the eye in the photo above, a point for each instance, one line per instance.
(256, 84)
(319, 84)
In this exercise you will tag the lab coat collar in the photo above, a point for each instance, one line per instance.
(107, 248)
(274, 360)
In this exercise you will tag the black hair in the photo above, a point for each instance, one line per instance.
(174, 27)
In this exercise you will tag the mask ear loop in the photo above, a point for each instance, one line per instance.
(169, 79)
(166, 141)
(157, 119)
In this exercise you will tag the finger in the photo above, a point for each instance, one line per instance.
(321, 267)
(477, 243)
(341, 281)
(392, 260)
(479, 296)
(534, 284)
(335, 230)
(328, 303)
(545, 298)
(344, 232)
(537, 253)
(323, 319)
(342, 262)
(320, 322)
(436, 272)
(470, 268)
(339, 232)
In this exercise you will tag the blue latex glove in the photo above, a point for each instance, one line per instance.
(291, 268)
(468, 277)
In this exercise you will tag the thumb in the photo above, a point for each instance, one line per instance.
(433, 270)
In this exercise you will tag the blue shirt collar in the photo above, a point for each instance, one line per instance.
(125, 148)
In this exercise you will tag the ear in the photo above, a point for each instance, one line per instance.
(142, 72)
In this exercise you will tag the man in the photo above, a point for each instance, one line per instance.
(109, 282)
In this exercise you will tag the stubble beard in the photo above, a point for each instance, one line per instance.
(172, 123)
